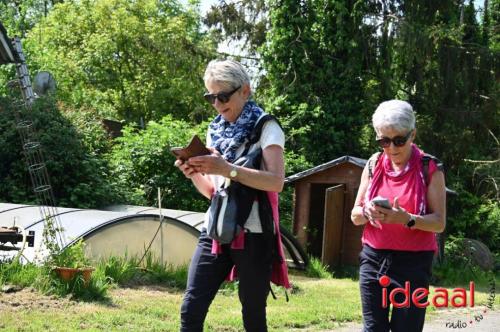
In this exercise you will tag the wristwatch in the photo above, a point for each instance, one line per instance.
(411, 222)
(233, 173)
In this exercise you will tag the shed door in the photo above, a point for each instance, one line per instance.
(332, 227)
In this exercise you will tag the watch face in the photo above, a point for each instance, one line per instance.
(233, 173)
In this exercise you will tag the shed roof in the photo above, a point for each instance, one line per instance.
(345, 159)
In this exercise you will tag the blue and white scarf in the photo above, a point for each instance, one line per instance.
(228, 137)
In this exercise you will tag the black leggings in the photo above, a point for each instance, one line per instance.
(208, 271)
(399, 266)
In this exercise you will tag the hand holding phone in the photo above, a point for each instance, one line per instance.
(382, 202)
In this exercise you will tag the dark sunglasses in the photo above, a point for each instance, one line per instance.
(223, 97)
(398, 141)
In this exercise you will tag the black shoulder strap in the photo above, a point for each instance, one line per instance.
(372, 163)
(257, 131)
(426, 158)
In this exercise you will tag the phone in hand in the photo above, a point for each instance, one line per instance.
(382, 202)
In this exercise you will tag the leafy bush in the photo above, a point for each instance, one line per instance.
(72, 256)
(78, 177)
(458, 268)
(142, 162)
(475, 218)
(316, 269)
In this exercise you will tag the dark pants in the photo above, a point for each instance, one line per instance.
(208, 271)
(399, 266)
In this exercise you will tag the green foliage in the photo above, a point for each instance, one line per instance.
(108, 272)
(78, 177)
(72, 256)
(316, 269)
(457, 268)
(47, 281)
(18, 274)
(126, 59)
(20, 16)
(119, 269)
(314, 72)
(245, 21)
(158, 272)
(475, 218)
(88, 123)
(141, 161)
(95, 290)
(127, 271)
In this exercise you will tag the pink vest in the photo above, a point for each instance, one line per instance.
(410, 188)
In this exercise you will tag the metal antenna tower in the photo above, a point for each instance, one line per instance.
(34, 156)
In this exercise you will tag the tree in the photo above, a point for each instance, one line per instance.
(314, 64)
(244, 21)
(19, 16)
(127, 59)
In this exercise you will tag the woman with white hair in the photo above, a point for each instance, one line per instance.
(399, 239)
(251, 253)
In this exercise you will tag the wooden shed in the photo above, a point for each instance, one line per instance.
(323, 199)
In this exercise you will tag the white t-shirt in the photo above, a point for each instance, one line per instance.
(271, 134)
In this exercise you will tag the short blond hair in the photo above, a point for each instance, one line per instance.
(228, 73)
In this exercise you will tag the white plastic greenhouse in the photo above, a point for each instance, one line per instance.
(127, 230)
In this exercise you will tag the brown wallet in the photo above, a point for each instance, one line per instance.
(194, 148)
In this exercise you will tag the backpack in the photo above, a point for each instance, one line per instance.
(231, 205)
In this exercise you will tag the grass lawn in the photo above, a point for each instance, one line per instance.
(315, 305)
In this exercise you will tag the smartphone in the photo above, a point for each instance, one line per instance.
(382, 202)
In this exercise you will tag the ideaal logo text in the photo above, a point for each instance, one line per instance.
(457, 298)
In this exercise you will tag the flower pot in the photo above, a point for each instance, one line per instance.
(68, 273)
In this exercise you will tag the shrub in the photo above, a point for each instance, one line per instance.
(316, 269)
(18, 274)
(72, 256)
(475, 218)
(458, 268)
(119, 269)
(78, 177)
(141, 161)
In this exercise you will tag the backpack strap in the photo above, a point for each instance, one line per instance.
(372, 163)
(426, 158)
(257, 131)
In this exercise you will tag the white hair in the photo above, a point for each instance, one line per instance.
(395, 114)
(228, 73)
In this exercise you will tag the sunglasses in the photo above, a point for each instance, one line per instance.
(398, 141)
(223, 97)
